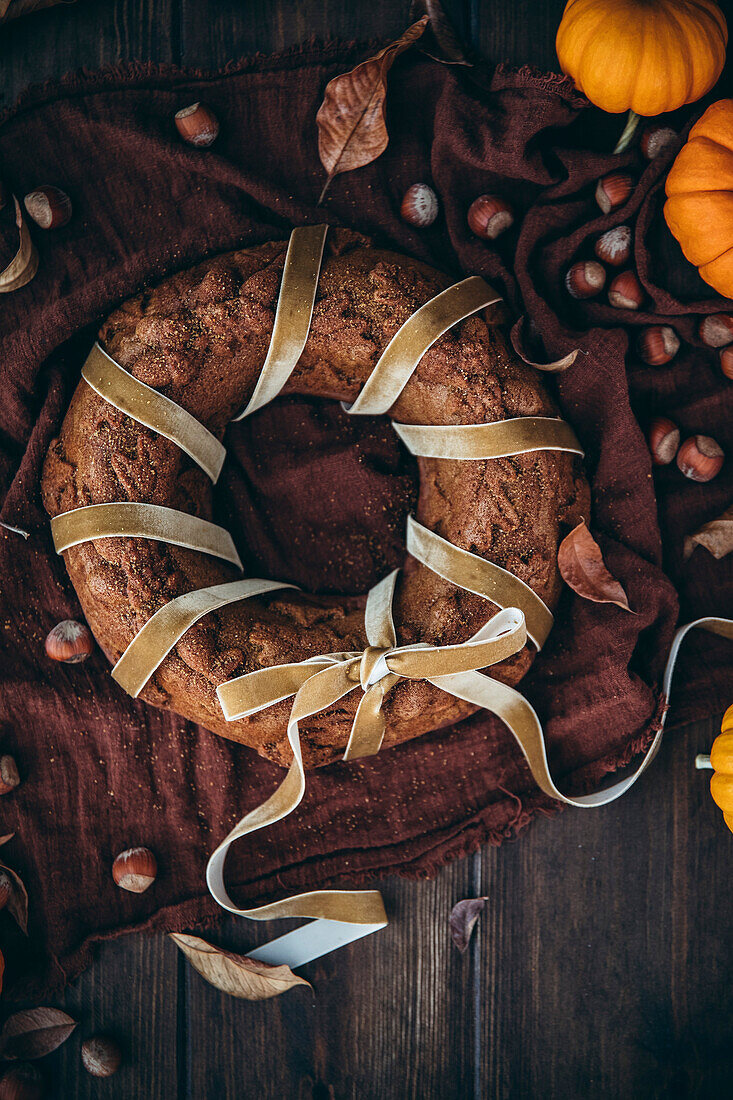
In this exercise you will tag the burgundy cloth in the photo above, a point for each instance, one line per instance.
(319, 498)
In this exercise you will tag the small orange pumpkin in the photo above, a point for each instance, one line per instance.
(642, 56)
(721, 759)
(699, 207)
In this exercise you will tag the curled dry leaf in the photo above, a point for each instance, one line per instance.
(581, 566)
(35, 1033)
(716, 536)
(519, 343)
(446, 44)
(237, 975)
(17, 903)
(351, 126)
(24, 263)
(463, 919)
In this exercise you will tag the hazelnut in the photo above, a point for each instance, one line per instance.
(101, 1056)
(6, 888)
(700, 458)
(9, 778)
(22, 1082)
(585, 279)
(488, 216)
(664, 439)
(419, 205)
(70, 642)
(655, 139)
(625, 291)
(614, 246)
(716, 330)
(197, 124)
(658, 344)
(613, 190)
(49, 207)
(135, 869)
(726, 362)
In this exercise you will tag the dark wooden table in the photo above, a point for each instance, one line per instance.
(600, 968)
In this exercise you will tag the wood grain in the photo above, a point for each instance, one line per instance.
(601, 964)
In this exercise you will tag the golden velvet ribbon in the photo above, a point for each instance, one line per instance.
(400, 358)
(319, 682)
(339, 916)
(482, 577)
(148, 521)
(498, 439)
(293, 314)
(148, 407)
(154, 641)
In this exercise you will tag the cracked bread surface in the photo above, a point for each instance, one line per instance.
(201, 337)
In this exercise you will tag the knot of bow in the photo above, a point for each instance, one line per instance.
(319, 682)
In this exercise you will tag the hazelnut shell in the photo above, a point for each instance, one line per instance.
(625, 291)
(419, 206)
(585, 279)
(664, 439)
(135, 869)
(70, 642)
(614, 246)
(700, 458)
(197, 124)
(101, 1056)
(50, 207)
(488, 216)
(9, 778)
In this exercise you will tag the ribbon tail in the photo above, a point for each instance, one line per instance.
(341, 916)
(367, 731)
(521, 719)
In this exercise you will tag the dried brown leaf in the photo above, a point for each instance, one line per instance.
(237, 975)
(581, 566)
(17, 903)
(24, 263)
(716, 536)
(6, 838)
(518, 338)
(351, 125)
(448, 48)
(463, 919)
(35, 1033)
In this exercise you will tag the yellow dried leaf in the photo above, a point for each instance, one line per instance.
(237, 975)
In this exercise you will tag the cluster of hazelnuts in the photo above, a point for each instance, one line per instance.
(700, 457)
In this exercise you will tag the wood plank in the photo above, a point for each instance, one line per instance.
(606, 953)
(520, 33)
(212, 34)
(130, 993)
(91, 33)
(391, 1016)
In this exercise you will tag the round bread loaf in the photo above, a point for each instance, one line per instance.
(201, 338)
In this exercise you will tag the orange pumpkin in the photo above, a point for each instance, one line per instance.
(642, 56)
(699, 207)
(721, 759)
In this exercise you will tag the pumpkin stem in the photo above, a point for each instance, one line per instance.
(632, 123)
(702, 761)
